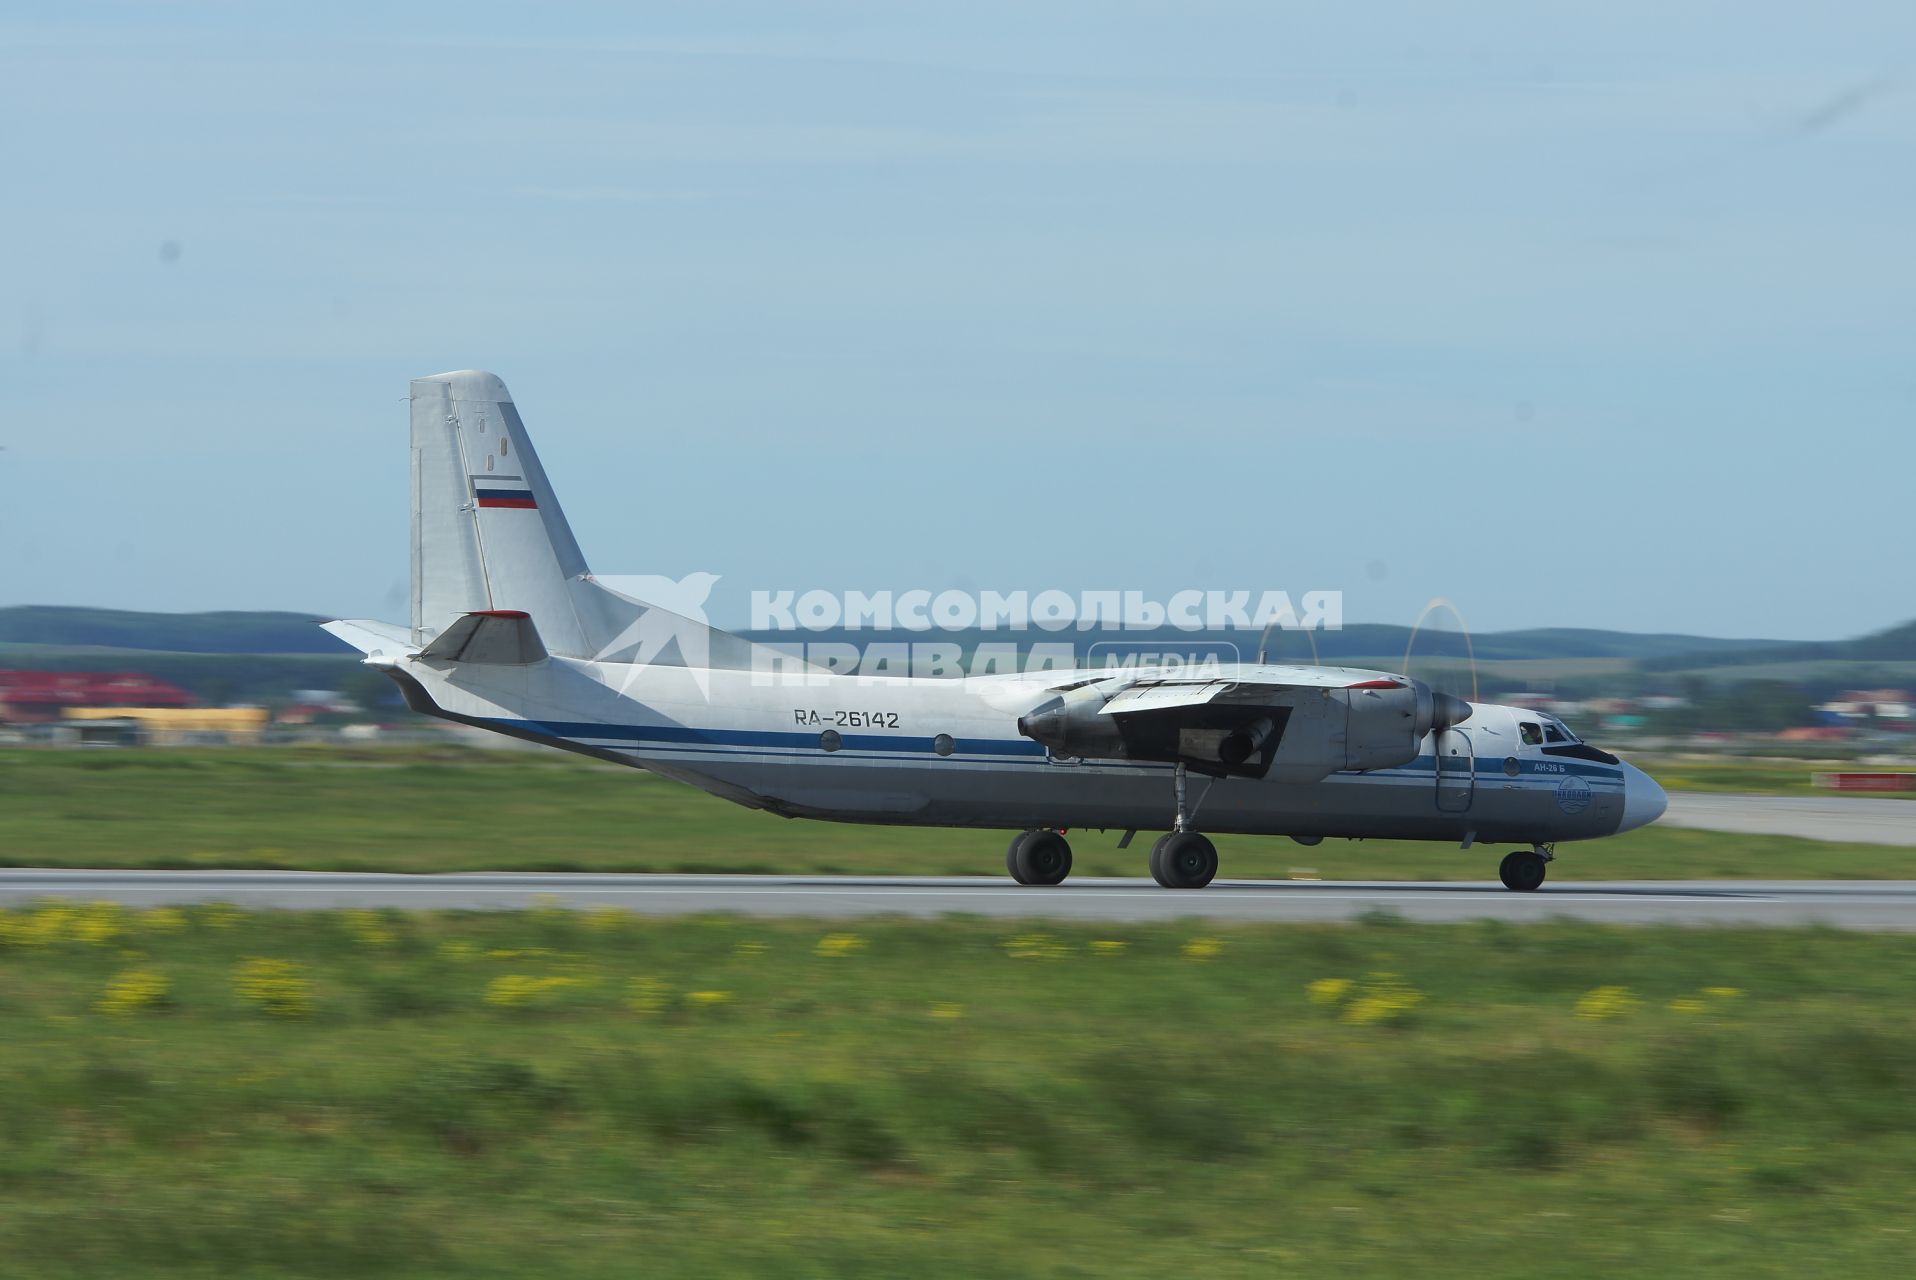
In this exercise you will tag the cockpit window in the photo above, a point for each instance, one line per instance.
(1551, 733)
(1531, 734)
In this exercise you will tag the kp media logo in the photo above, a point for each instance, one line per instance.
(667, 628)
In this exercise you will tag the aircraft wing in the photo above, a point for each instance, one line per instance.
(1263, 686)
(1163, 696)
(1297, 724)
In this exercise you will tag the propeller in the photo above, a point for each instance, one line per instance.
(1264, 642)
(1448, 708)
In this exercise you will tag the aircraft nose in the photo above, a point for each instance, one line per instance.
(1643, 800)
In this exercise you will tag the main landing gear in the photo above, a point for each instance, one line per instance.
(1183, 859)
(1039, 857)
(1523, 870)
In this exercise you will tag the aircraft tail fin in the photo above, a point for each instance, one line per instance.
(488, 533)
(489, 539)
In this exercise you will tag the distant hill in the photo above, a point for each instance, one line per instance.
(48, 627)
(220, 657)
(1896, 644)
(62, 626)
(1362, 640)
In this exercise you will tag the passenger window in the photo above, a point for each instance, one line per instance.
(1552, 733)
(1532, 735)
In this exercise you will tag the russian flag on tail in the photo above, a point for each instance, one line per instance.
(492, 496)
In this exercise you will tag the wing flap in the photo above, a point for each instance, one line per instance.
(1162, 697)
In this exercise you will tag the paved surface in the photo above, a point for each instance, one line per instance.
(1856, 904)
(1850, 819)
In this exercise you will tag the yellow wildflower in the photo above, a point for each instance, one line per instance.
(606, 919)
(1722, 993)
(276, 987)
(516, 990)
(1107, 946)
(98, 923)
(1328, 990)
(163, 920)
(1383, 997)
(708, 999)
(839, 944)
(1203, 948)
(748, 949)
(1035, 946)
(41, 927)
(458, 950)
(1601, 1003)
(1687, 1004)
(219, 915)
(369, 928)
(133, 991)
(947, 1010)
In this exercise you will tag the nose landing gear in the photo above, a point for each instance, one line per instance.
(1523, 871)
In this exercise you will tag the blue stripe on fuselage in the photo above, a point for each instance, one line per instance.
(686, 736)
(673, 735)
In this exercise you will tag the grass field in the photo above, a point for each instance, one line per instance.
(461, 809)
(213, 1093)
(1769, 777)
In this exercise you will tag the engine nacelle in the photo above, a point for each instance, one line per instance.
(1071, 725)
(1290, 734)
(1375, 724)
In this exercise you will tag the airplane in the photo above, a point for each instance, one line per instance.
(511, 632)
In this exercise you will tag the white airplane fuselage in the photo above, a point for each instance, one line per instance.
(510, 632)
(856, 749)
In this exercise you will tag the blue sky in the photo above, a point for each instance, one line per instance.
(1597, 319)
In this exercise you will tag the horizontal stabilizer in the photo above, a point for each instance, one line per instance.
(491, 637)
(381, 640)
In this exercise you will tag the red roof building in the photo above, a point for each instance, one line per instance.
(39, 696)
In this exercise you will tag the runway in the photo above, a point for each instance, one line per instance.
(1849, 904)
(1845, 819)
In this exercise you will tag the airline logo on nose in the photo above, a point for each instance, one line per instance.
(1573, 795)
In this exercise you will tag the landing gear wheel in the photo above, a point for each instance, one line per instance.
(1011, 856)
(1523, 870)
(1039, 858)
(1184, 860)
